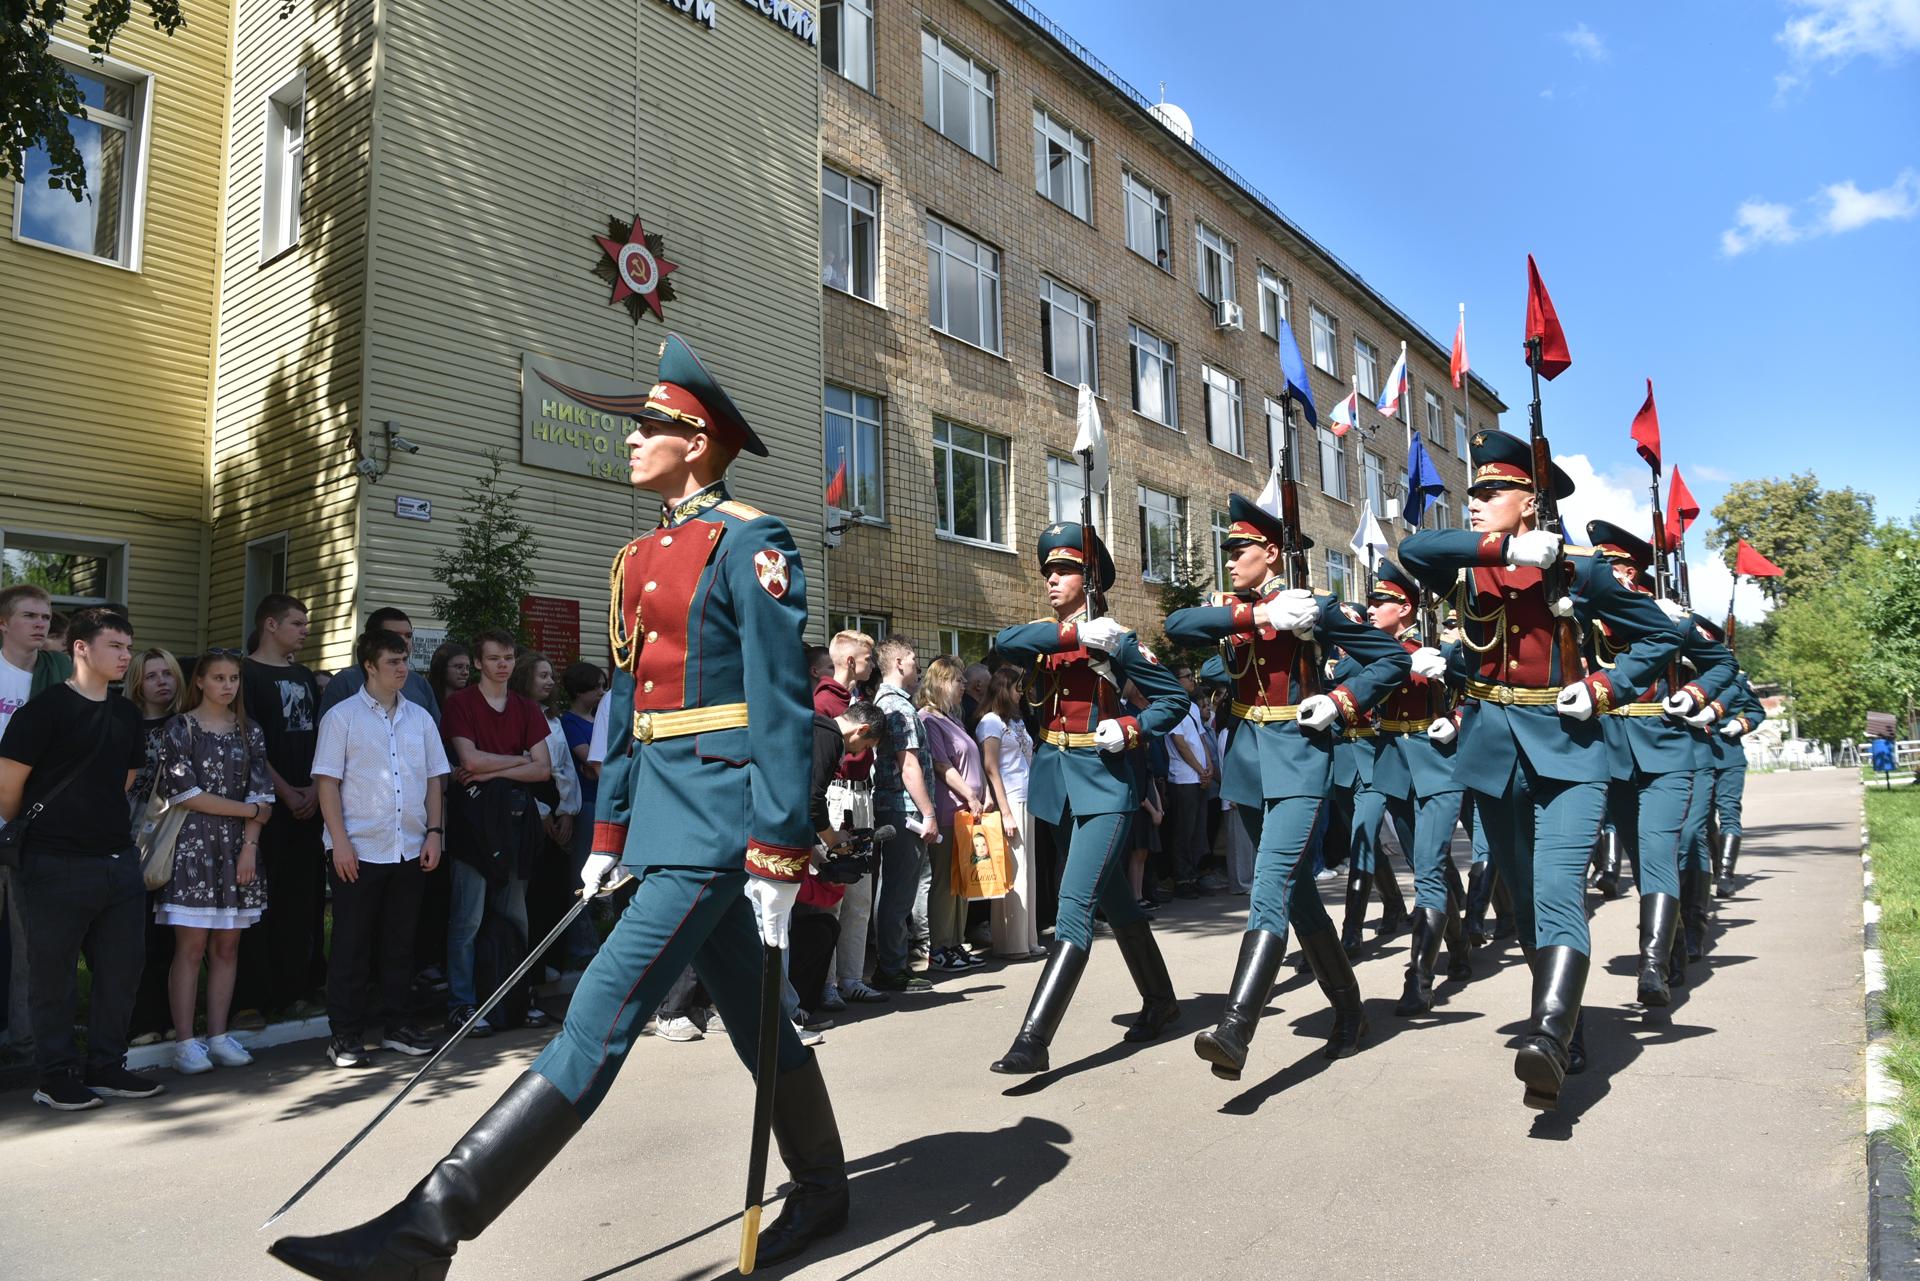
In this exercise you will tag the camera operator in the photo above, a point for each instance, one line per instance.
(815, 929)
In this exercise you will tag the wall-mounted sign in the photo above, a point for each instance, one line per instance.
(412, 508)
(425, 641)
(562, 431)
(552, 624)
(782, 13)
(633, 260)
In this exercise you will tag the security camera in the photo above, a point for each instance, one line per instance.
(402, 443)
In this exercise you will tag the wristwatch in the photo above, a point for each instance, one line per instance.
(440, 830)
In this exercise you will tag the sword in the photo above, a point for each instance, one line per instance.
(619, 882)
(766, 1071)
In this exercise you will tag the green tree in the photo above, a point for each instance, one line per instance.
(1892, 620)
(490, 567)
(1809, 532)
(37, 90)
(1189, 579)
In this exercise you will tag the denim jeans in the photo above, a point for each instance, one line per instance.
(903, 870)
(470, 898)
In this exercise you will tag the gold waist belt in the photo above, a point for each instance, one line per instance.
(1365, 731)
(1063, 738)
(1638, 709)
(1405, 727)
(1526, 696)
(648, 726)
(1264, 712)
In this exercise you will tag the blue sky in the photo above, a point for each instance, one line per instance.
(1721, 197)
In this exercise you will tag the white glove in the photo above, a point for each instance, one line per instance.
(1109, 736)
(1703, 718)
(1318, 711)
(1680, 705)
(1429, 663)
(594, 874)
(1561, 607)
(1103, 634)
(772, 907)
(1294, 610)
(1536, 548)
(1675, 610)
(1732, 730)
(1575, 702)
(1443, 731)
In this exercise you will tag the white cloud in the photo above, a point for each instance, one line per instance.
(1837, 208)
(1836, 31)
(1587, 44)
(1547, 92)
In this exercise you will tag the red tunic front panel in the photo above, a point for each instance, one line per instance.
(1079, 697)
(660, 578)
(1411, 701)
(1509, 627)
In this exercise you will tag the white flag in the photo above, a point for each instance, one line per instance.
(1269, 500)
(1092, 436)
(1370, 541)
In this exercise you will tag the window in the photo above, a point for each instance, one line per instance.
(853, 422)
(965, 644)
(1276, 423)
(963, 286)
(1149, 232)
(76, 572)
(969, 483)
(1063, 165)
(846, 39)
(1153, 381)
(105, 222)
(956, 95)
(1213, 258)
(1459, 434)
(1436, 419)
(849, 233)
(1218, 526)
(1066, 486)
(1274, 303)
(1333, 465)
(1376, 477)
(1325, 334)
(1163, 534)
(1366, 367)
(266, 574)
(1069, 343)
(1340, 575)
(878, 626)
(281, 167)
(1226, 425)
(1439, 509)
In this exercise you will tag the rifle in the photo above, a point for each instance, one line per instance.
(1556, 580)
(1293, 549)
(1730, 627)
(1096, 594)
(1662, 576)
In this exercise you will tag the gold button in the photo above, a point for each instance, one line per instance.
(1259, 662)
(651, 586)
(1513, 591)
(667, 541)
(1514, 662)
(648, 687)
(1515, 630)
(652, 636)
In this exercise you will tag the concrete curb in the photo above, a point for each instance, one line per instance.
(1893, 1253)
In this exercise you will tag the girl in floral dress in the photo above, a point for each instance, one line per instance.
(213, 764)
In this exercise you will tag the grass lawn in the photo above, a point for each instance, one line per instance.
(1893, 825)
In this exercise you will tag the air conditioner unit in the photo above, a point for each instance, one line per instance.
(1229, 314)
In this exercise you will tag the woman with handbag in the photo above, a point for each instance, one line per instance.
(962, 785)
(1006, 750)
(213, 765)
(153, 687)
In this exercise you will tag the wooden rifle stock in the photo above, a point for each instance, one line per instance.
(1662, 577)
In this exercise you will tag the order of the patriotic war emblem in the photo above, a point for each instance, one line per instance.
(633, 260)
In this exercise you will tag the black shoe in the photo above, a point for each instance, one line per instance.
(1393, 906)
(1577, 1047)
(493, 1164)
(1476, 906)
(1559, 978)
(1459, 949)
(1359, 890)
(1186, 889)
(458, 1019)
(411, 1041)
(1696, 888)
(64, 1093)
(1659, 913)
(1158, 1009)
(115, 1082)
(1335, 973)
(809, 1142)
(1729, 854)
(905, 981)
(347, 1052)
(1504, 928)
(1051, 996)
(1429, 930)
(1609, 879)
(535, 1018)
(1225, 1047)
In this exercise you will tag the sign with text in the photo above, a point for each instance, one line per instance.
(559, 432)
(425, 641)
(552, 625)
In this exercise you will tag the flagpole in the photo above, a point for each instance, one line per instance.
(1466, 377)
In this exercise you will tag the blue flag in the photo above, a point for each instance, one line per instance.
(1423, 481)
(1294, 371)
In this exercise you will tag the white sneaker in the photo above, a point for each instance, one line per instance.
(190, 1057)
(830, 998)
(809, 1036)
(227, 1052)
(682, 1029)
(714, 1026)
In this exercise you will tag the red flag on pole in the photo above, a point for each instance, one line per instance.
(1646, 430)
(1544, 323)
(1682, 510)
(1751, 563)
(837, 487)
(1460, 365)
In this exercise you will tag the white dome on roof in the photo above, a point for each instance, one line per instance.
(1174, 119)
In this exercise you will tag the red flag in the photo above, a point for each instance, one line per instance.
(1646, 430)
(1460, 365)
(837, 487)
(1544, 323)
(1682, 510)
(1751, 563)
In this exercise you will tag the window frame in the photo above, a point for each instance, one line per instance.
(255, 584)
(853, 211)
(1134, 188)
(1218, 523)
(1461, 435)
(1169, 376)
(833, 17)
(1319, 317)
(1276, 423)
(1273, 285)
(1206, 241)
(999, 306)
(1063, 473)
(279, 191)
(1345, 563)
(133, 182)
(940, 54)
(116, 552)
(1373, 479)
(1325, 438)
(1079, 162)
(1176, 509)
(1234, 389)
(1435, 413)
(951, 645)
(1084, 313)
(944, 514)
(1366, 367)
(855, 421)
(878, 626)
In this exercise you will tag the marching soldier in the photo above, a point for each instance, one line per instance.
(703, 796)
(1528, 741)
(1742, 714)
(1081, 784)
(1354, 816)
(1697, 846)
(1279, 766)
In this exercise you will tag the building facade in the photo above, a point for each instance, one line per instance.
(1003, 219)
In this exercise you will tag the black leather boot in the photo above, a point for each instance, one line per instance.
(1659, 914)
(1158, 1009)
(1335, 973)
(1696, 887)
(1225, 1047)
(1050, 1000)
(1429, 928)
(491, 1165)
(1577, 1047)
(1359, 890)
(1609, 880)
(1393, 905)
(1504, 926)
(1729, 855)
(1559, 977)
(809, 1142)
(1478, 894)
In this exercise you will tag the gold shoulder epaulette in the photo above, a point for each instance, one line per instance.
(1574, 550)
(745, 511)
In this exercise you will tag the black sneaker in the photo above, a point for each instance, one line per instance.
(458, 1019)
(410, 1040)
(64, 1093)
(904, 981)
(535, 1018)
(116, 1082)
(346, 1052)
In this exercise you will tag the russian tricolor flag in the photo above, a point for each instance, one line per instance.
(1346, 414)
(1396, 386)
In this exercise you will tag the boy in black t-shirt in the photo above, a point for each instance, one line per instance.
(66, 762)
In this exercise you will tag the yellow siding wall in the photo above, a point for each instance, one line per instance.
(105, 373)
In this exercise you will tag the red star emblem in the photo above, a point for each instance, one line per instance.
(638, 268)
